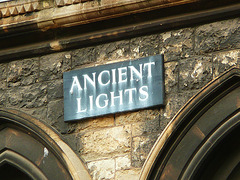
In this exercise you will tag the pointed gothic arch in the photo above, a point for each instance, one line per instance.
(203, 138)
(36, 149)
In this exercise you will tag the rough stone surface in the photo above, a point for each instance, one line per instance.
(144, 46)
(223, 61)
(52, 66)
(195, 73)
(83, 56)
(71, 140)
(3, 76)
(3, 84)
(3, 71)
(23, 72)
(141, 146)
(132, 117)
(113, 51)
(2, 98)
(171, 77)
(55, 90)
(95, 123)
(39, 113)
(173, 104)
(110, 142)
(55, 115)
(132, 174)
(28, 96)
(142, 128)
(104, 169)
(123, 162)
(177, 44)
(218, 36)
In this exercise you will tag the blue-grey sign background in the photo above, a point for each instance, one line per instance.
(114, 95)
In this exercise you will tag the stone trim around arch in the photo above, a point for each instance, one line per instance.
(186, 118)
(43, 134)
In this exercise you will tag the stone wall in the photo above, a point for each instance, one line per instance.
(116, 146)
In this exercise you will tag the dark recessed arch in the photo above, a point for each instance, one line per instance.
(200, 134)
(36, 149)
(10, 172)
(21, 163)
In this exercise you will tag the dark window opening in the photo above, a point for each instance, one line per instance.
(9, 172)
(224, 161)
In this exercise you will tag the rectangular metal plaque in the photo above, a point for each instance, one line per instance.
(112, 88)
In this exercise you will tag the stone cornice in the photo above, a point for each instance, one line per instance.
(14, 8)
(59, 28)
(66, 13)
(60, 3)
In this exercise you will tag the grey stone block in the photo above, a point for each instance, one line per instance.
(24, 72)
(217, 36)
(195, 73)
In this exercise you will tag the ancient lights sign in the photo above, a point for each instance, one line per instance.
(112, 88)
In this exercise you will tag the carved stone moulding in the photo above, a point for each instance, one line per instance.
(60, 3)
(14, 8)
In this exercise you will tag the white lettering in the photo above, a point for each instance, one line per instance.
(118, 96)
(122, 76)
(75, 83)
(105, 101)
(100, 78)
(149, 68)
(113, 76)
(115, 97)
(135, 71)
(142, 92)
(79, 106)
(91, 102)
(130, 92)
(91, 81)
